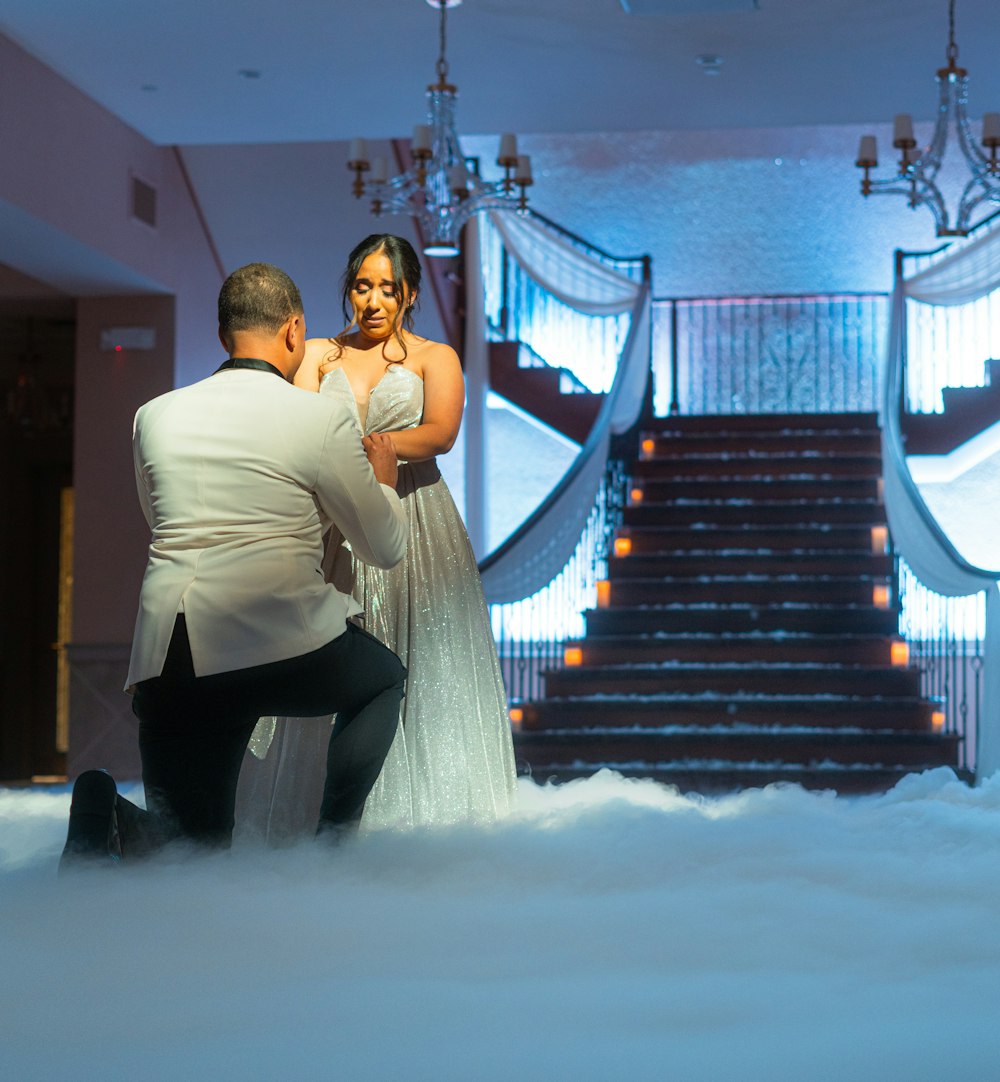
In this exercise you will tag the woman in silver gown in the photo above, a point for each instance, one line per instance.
(452, 758)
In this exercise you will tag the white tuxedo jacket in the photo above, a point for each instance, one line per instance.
(239, 477)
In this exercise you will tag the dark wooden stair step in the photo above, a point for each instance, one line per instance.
(744, 589)
(538, 391)
(807, 747)
(819, 619)
(748, 679)
(737, 444)
(760, 513)
(715, 467)
(827, 489)
(904, 713)
(683, 564)
(647, 539)
(868, 650)
(755, 422)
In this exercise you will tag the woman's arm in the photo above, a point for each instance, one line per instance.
(444, 400)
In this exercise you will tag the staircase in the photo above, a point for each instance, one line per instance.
(967, 412)
(553, 395)
(746, 633)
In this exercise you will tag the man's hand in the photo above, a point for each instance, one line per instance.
(382, 455)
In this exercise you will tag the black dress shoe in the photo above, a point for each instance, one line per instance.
(93, 838)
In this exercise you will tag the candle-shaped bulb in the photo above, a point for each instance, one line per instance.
(867, 152)
(379, 170)
(508, 149)
(902, 131)
(421, 138)
(991, 129)
(522, 173)
(358, 151)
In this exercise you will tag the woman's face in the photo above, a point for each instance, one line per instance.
(374, 298)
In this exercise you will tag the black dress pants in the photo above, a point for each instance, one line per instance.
(194, 731)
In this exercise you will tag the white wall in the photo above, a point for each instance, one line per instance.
(726, 213)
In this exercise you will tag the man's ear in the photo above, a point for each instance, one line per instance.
(225, 344)
(295, 332)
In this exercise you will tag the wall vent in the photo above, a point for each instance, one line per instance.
(143, 202)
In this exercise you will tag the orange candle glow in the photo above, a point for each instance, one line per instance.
(937, 721)
(880, 540)
(516, 715)
(880, 596)
(648, 446)
(635, 495)
(603, 594)
(899, 654)
(623, 546)
(572, 655)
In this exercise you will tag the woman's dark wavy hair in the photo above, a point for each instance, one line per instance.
(405, 273)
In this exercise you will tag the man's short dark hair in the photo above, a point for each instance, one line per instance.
(257, 297)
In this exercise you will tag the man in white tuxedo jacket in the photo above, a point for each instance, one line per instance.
(239, 477)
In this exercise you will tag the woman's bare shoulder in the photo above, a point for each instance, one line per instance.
(434, 354)
(322, 348)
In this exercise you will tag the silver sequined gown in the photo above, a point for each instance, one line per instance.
(452, 759)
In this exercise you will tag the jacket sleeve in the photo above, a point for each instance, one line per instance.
(369, 515)
(140, 478)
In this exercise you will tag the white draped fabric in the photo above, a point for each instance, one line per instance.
(962, 276)
(539, 550)
(570, 309)
(565, 271)
(916, 535)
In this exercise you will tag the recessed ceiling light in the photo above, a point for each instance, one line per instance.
(149, 88)
(709, 63)
(249, 73)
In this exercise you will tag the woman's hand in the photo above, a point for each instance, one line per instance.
(382, 456)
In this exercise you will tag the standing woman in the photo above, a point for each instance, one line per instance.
(452, 759)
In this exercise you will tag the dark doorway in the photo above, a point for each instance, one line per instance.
(36, 475)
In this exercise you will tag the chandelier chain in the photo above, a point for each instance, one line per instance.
(952, 47)
(442, 62)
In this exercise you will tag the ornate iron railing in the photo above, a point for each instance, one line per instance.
(945, 636)
(531, 634)
(786, 354)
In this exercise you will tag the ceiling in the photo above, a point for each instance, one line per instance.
(332, 69)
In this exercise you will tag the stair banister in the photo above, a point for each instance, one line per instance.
(917, 536)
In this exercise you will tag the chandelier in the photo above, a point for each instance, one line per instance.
(439, 189)
(917, 169)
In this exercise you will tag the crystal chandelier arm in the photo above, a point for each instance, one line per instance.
(971, 199)
(979, 163)
(929, 162)
(919, 192)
